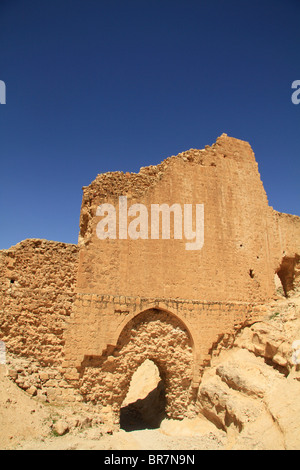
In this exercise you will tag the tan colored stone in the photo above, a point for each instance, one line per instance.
(60, 427)
(95, 311)
(43, 376)
(32, 390)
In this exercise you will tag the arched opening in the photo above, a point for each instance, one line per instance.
(155, 335)
(145, 404)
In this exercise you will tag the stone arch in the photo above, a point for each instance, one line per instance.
(183, 322)
(153, 334)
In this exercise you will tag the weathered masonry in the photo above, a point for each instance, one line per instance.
(96, 311)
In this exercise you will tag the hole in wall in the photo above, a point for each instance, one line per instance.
(251, 273)
(288, 273)
(145, 403)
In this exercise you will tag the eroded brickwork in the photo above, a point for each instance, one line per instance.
(37, 289)
(153, 335)
(98, 321)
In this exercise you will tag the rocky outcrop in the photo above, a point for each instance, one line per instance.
(252, 390)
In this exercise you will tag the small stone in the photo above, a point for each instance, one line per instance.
(60, 427)
(13, 374)
(32, 390)
(43, 376)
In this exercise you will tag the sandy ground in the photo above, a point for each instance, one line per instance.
(135, 440)
(26, 424)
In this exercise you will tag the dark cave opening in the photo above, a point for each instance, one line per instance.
(145, 413)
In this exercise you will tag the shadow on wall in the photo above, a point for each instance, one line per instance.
(146, 413)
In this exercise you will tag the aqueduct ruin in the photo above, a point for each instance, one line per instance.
(95, 311)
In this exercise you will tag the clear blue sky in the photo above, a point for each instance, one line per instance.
(95, 86)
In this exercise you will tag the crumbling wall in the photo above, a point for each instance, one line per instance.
(37, 289)
(153, 335)
(235, 262)
(97, 322)
(210, 292)
(215, 290)
(286, 254)
(287, 228)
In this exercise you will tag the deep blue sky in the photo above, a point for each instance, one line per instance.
(95, 86)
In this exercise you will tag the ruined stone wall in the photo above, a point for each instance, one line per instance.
(97, 322)
(37, 289)
(287, 229)
(213, 291)
(151, 335)
(234, 263)
(287, 243)
(117, 337)
(286, 255)
(95, 311)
